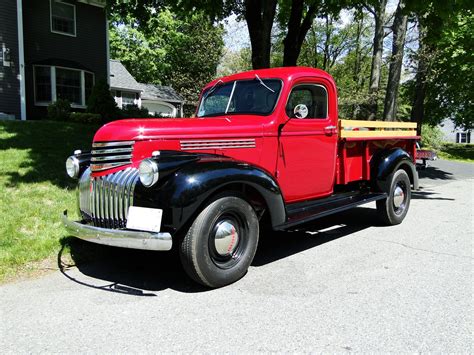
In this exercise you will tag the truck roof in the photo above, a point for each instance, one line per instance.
(283, 73)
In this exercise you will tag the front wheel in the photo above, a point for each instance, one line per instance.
(221, 243)
(395, 207)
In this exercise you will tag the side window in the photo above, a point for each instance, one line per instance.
(307, 101)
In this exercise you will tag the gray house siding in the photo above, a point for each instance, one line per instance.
(453, 134)
(88, 50)
(9, 83)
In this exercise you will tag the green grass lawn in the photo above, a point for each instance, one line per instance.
(35, 190)
(459, 152)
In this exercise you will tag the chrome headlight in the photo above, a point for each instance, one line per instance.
(148, 172)
(72, 167)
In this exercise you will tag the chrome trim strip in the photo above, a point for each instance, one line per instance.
(111, 144)
(118, 237)
(111, 157)
(217, 144)
(112, 151)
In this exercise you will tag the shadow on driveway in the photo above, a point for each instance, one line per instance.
(143, 273)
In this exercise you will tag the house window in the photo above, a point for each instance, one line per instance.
(63, 18)
(68, 85)
(53, 83)
(463, 137)
(128, 98)
(42, 84)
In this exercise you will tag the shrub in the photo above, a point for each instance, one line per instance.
(102, 102)
(59, 110)
(85, 117)
(133, 111)
(431, 137)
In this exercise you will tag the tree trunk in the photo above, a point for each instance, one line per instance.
(358, 60)
(375, 72)
(259, 16)
(297, 27)
(418, 108)
(399, 29)
(327, 41)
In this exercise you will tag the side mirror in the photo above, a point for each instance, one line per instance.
(300, 111)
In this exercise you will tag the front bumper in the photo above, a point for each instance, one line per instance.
(123, 238)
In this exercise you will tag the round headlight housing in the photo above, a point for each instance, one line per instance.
(72, 167)
(148, 172)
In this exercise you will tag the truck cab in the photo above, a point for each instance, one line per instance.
(265, 148)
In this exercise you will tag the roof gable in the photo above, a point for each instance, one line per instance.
(120, 78)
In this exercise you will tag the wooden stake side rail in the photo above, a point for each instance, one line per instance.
(372, 129)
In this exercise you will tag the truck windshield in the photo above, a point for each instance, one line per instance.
(254, 96)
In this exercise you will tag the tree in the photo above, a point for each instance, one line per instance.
(450, 87)
(260, 15)
(300, 20)
(169, 50)
(378, 11)
(235, 61)
(399, 29)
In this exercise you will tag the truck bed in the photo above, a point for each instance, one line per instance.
(360, 140)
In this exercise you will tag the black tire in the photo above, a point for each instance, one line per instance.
(221, 243)
(393, 210)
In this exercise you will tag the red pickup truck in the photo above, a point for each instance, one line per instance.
(266, 148)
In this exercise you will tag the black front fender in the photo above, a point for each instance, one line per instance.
(183, 194)
(386, 162)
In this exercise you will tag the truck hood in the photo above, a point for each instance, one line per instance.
(178, 128)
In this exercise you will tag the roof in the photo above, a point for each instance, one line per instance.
(159, 92)
(120, 78)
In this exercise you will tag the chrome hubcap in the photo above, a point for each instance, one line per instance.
(226, 238)
(398, 197)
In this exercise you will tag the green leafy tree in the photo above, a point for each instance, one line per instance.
(450, 92)
(235, 62)
(166, 49)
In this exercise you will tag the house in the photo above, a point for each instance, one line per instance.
(453, 134)
(159, 100)
(50, 49)
(123, 86)
(162, 100)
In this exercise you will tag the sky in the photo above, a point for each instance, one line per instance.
(237, 36)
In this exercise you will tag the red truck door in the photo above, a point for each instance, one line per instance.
(308, 143)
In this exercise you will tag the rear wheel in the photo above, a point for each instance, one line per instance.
(395, 207)
(221, 243)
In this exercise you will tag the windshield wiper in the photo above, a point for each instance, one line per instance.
(211, 90)
(265, 85)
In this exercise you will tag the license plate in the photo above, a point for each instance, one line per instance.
(144, 219)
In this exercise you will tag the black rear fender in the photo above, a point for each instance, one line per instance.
(386, 162)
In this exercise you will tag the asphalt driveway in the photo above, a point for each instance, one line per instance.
(342, 284)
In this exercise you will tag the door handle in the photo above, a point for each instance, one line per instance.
(329, 129)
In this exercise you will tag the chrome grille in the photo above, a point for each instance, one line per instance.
(105, 199)
(108, 155)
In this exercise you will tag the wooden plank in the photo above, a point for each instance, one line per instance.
(376, 124)
(362, 134)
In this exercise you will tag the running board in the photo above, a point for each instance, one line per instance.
(325, 207)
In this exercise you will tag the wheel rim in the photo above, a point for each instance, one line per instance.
(399, 197)
(228, 240)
